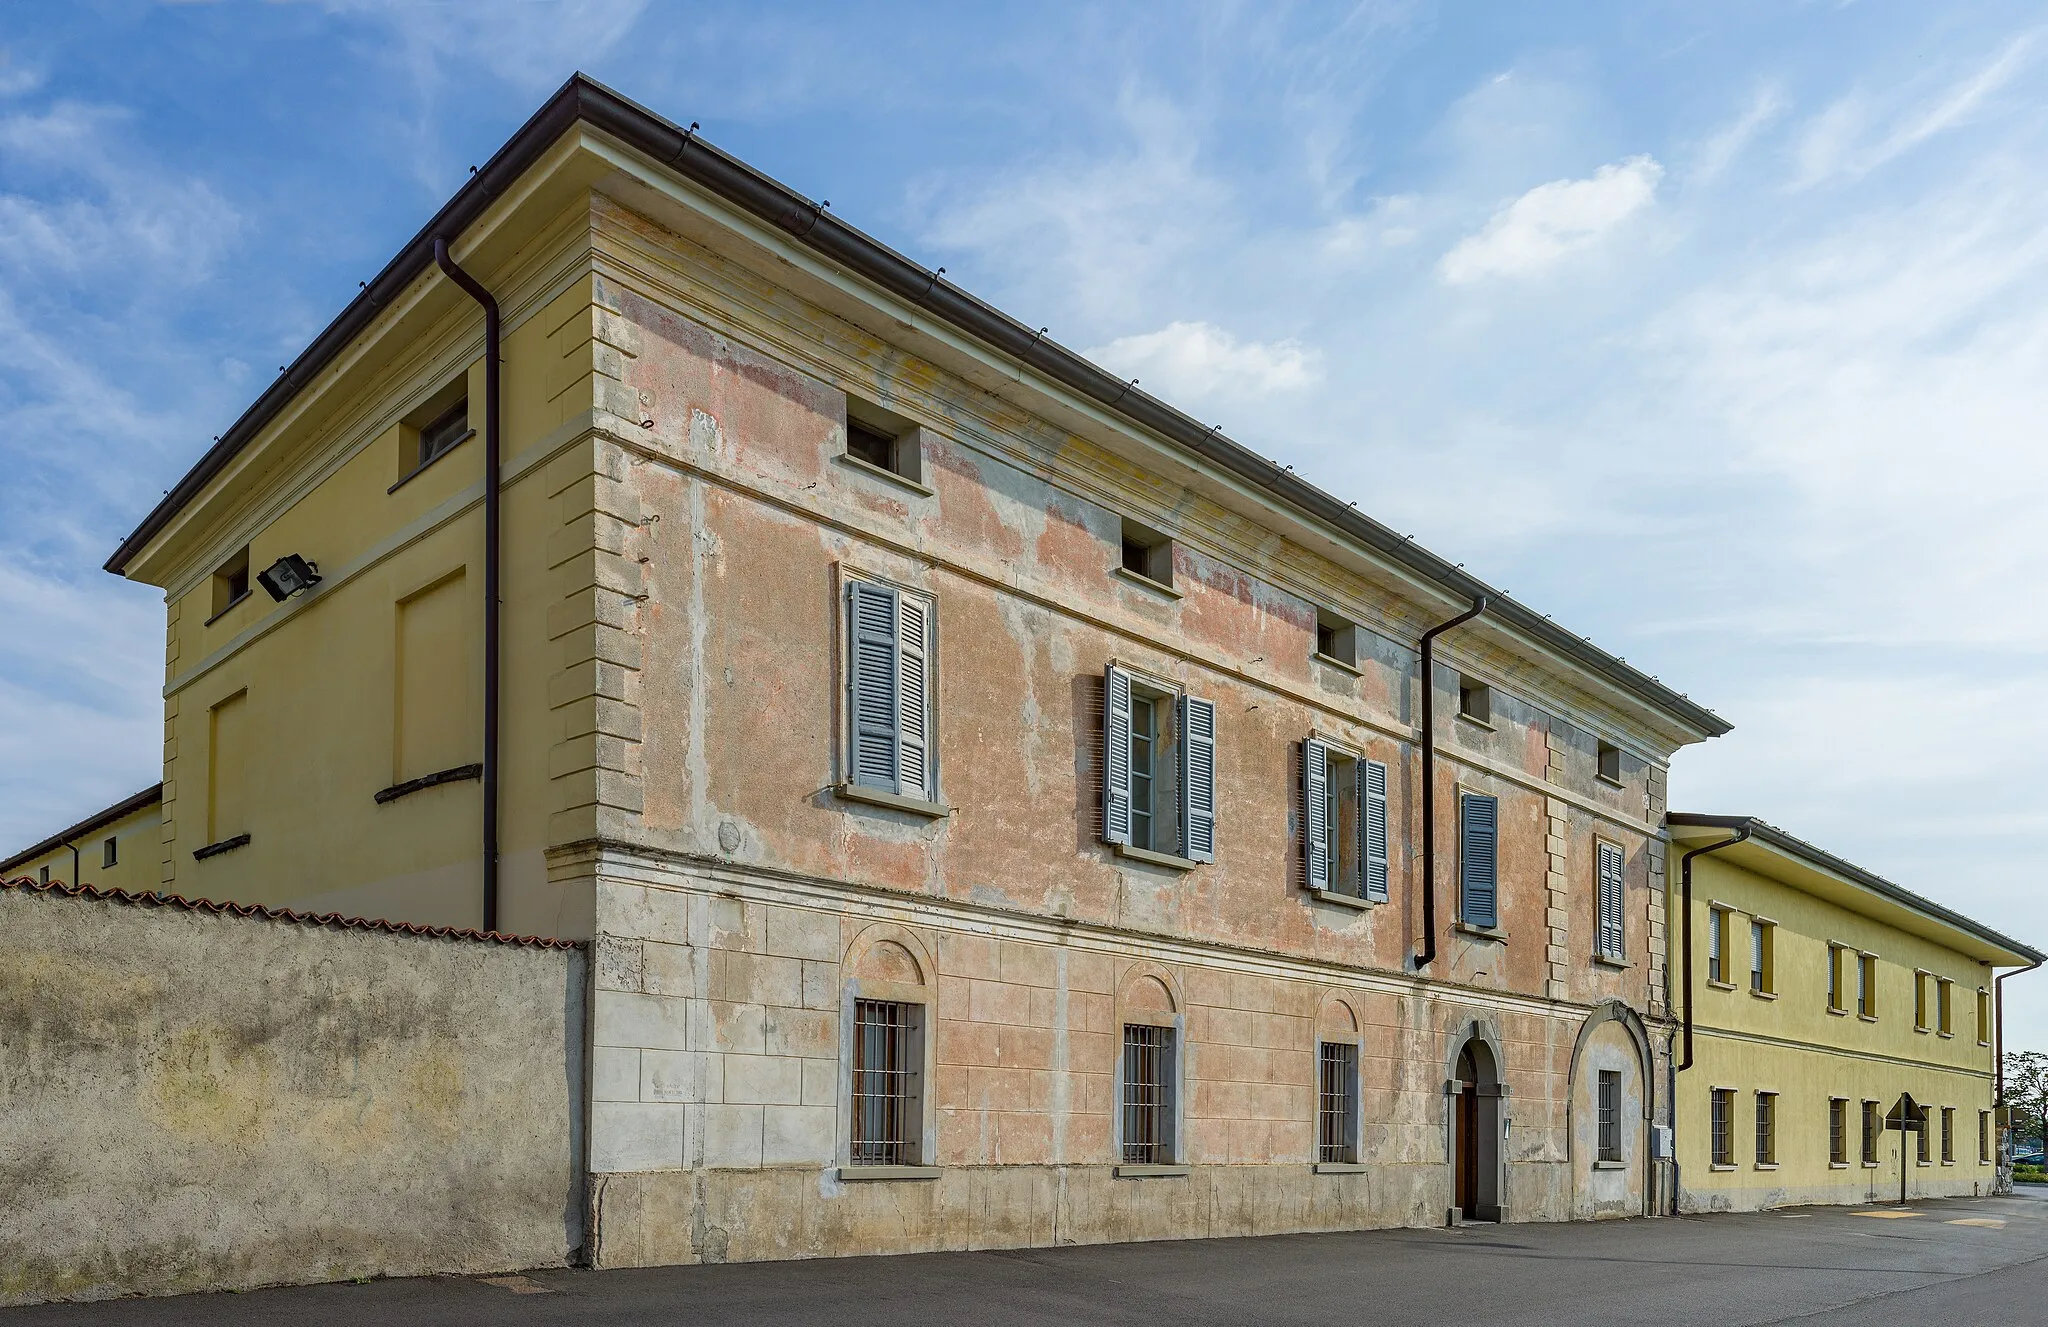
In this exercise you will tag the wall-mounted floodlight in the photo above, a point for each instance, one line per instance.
(288, 576)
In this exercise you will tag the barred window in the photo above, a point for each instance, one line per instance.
(1948, 1135)
(1983, 1137)
(1337, 1102)
(888, 1071)
(1722, 1116)
(1610, 1115)
(1838, 1131)
(1767, 1128)
(1925, 1137)
(1873, 1125)
(1148, 1083)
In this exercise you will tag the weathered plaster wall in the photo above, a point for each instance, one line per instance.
(193, 1102)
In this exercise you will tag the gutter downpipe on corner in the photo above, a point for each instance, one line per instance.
(1685, 961)
(1998, 1054)
(1427, 668)
(492, 465)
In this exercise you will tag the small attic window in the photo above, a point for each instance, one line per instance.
(1336, 639)
(879, 440)
(437, 426)
(1610, 762)
(1146, 553)
(1475, 700)
(447, 429)
(231, 582)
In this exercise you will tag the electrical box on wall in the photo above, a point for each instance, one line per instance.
(1660, 1142)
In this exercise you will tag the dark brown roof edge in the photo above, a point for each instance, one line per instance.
(184, 904)
(584, 99)
(85, 826)
(1764, 831)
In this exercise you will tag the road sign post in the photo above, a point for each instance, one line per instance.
(1906, 1116)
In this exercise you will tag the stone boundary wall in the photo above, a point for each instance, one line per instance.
(192, 1099)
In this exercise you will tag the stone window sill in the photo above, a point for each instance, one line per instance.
(870, 468)
(1610, 1165)
(1334, 662)
(1763, 995)
(1866, 1018)
(917, 806)
(888, 1172)
(414, 473)
(1612, 783)
(1342, 900)
(216, 849)
(1151, 858)
(1339, 1168)
(1721, 985)
(459, 774)
(1609, 961)
(1476, 723)
(227, 608)
(1150, 1172)
(1766, 1165)
(1838, 1165)
(1946, 1036)
(1717, 1166)
(1838, 1013)
(1145, 582)
(1870, 1165)
(1492, 933)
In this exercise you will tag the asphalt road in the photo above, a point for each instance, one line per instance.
(1978, 1262)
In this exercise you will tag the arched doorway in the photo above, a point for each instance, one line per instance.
(1476, 1133)
(1608, 1114)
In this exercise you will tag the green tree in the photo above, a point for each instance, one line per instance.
(2026, 1093)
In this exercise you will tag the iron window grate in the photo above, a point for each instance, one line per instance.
(1148, 1095)
(1766, 1128)
(886, 1051)
(1723, 1110)
(1336, 1102)
(1610, 1115)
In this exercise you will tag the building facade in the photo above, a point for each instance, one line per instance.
(1825, 994)
(118, 848)
(995, 800)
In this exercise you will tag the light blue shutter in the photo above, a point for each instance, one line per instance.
(1478, 847)
(1198, 778)
(1372, 823)
(1611, 937)
(914, 710)
(872, 685)
(1315, 818)
(1116, 755)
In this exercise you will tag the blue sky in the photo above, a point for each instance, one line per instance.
(1718, 331)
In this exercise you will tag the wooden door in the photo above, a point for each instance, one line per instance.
(1467, 1168)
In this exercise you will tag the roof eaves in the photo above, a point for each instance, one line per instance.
(687, 153)
(61, 838)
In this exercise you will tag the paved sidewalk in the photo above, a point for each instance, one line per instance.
(1979, 1262)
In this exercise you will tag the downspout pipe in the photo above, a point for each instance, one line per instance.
(1427, 649)
(492, 466)
(1998, 999)
(1685, 938)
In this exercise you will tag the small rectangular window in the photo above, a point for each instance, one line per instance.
(1475, 700)
(1148, 1085)
(110, 853)
(1983, 1137)
(1838, 1131)
(1721, 1107)
(888, 1083)
(1336, 639)
(1609, 762)
(1610, 1115)
(1717, 944)
(1944, 1006)
(1147, 553)
(1478, 860)
(1866, 985)
(43, 875)
(231, 581)
(441, 434)
(1983, 1017)
(1873, 1126)
(1608, 871)
(1767, 1128)
(1337, 1102)
(1948, 1135)
(1762, 939)
(886, 441)
(1920, 982)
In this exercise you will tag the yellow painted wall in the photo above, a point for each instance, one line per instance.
(137, 850)
(1792, 1044)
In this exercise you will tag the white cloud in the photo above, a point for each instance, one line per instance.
(1552, 220)
(1726, 144)
(531, 45)
(1848, 140)
(1198, 361)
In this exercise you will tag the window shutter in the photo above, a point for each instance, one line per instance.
(872, 685)
(1198, 778)
(1372, 823)
(1478, 842)
(916, 757)
(1315, 818)
(1611, 939)
(1116, 756)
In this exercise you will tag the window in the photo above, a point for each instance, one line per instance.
(1147, 553)
(110, 853)
(891, 681)
(1337, 1102)
(888, 1074)
(231, 581)
(1925, 1137)
(1610, 1115)
(1762, 940)
(1767, 1128)
(1835, 1004)
(1478, 868)
(435, 427)
(1983, 1017)
(1608, 762)
(1866, 985)
(1920, 982)
(1983, 1137)
(1717, 945)
(1475, 700)
(1721, 1108)
(1148, 1088)
(1608, 872)
(1873, 1126)
(441, 434)
(1344, 836)
(1838, 1131)
(1336, 639)
(1944, 1006)
(1948, 1135)
(43, 874)
(1158, 768)
(887, 442)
